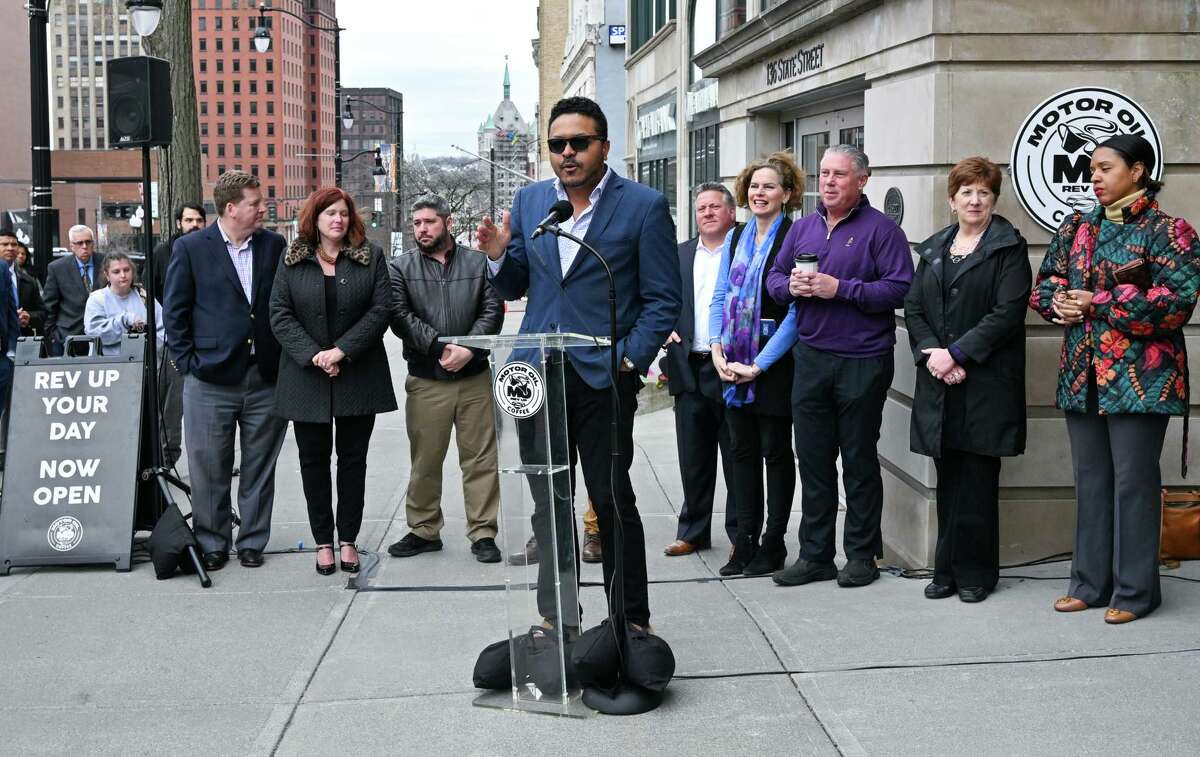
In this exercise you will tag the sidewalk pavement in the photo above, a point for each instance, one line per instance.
(279, 660)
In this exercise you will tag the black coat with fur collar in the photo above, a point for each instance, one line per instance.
(300, 322)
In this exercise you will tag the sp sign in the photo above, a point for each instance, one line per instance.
(1052, 153)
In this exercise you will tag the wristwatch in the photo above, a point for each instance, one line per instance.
(627, 364)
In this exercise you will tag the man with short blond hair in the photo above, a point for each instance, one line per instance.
(216, 309)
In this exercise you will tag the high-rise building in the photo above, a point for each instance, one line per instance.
(371, 128)
(511, 137)
(553, 19)
(272, 113)
(593, 66)
(82, 37)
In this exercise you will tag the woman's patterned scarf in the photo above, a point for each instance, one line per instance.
(741, 330)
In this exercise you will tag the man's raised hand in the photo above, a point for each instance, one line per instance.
(493, 239)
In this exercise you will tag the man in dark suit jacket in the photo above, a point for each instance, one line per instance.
(10, 331)
(217, 316)
(692, 380)
(631, 226)
(189, 217)
(31, 311)
(69, 283)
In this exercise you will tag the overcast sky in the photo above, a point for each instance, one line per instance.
(446, 57)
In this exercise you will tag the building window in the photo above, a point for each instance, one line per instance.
(254, 129)
(254, 150)
(203, 66)
(237, 129)
(221, 129)
(220, 44)
(220, 66)
(254, 86)
(731, 15)
(270, 146)
(253, 106)
(204, 129)
(648, 17)
(221, 151)
(237, 65)
(219, 23)
(202, 23)
(851, 136)
(204, 108)
(237, 150)
(253, 66)
(203, 44)
(237, 107)
(812, 147)
(237, 85)
(237, 43)
(270, 130)
(220, 87)
(221, 108)
(271, 171)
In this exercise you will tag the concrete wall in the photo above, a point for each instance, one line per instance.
(553, 20)
(15, 168)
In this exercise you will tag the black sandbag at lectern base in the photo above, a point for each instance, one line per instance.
(72, 458)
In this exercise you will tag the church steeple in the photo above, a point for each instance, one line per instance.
(507, 82)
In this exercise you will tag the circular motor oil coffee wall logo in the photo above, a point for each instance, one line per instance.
(519, 391)
(1052, 154)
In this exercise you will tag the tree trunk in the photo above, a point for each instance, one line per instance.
(179, 172)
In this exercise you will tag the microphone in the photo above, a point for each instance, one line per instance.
(559, 212)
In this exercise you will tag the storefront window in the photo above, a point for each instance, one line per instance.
(852, 136)
(705, 151)
(731, 15)
(660, 174)
(812, 147)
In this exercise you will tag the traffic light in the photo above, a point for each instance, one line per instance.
(375, 219)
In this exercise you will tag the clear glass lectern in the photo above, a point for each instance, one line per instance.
(541, 592)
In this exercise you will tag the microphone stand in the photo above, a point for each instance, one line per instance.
(617, 616)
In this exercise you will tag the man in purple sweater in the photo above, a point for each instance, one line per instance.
(845, 324)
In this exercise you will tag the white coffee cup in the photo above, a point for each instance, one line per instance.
(805, 262)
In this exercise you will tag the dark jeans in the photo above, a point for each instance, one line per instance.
(968, 520)
(837, 408)
(758, 442)
(1118, 486)
(315, 442)
(589, 414)
(700, 431)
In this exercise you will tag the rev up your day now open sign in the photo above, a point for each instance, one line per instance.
(71, 464)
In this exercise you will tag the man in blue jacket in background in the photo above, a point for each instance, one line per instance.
(567, 289)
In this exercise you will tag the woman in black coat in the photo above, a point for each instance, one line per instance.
(965, 314)
(330, 307)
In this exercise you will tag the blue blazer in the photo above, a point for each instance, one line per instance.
(633, 230)
(10, 324)
(210, 326)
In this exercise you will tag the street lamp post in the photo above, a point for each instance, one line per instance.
(40, 196)
(348, 122)
(262, 43)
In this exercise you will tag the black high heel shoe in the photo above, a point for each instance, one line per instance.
(349, 567)
(325, 570)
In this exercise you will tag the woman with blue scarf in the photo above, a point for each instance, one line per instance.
(749, 328)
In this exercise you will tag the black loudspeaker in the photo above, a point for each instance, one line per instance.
(139, 102)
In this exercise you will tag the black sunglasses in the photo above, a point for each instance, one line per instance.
(578, 143)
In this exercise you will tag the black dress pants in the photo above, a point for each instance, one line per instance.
(837, 408)
(700, 432)
(761, 441)
(315, 442)
(968, 520)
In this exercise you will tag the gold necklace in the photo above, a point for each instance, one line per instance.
(325, 257)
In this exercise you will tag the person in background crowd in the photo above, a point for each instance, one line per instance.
(189, 217)
(441, 289)
(965, 315)
(330, 307)
(592, 552)
(1122, 280)
(751, 354)
(69, 282)
(692, 379)
(31, 311)
(119, 308)
(218, 321)
(10, 331)
(846, 331)
(631, 225)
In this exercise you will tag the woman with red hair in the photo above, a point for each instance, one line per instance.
(330, 307)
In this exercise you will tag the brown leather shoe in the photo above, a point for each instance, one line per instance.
(591, 548)
(1115, 617)
(679, 547)
(1069, 604)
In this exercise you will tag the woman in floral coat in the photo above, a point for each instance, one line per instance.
(1122, 280)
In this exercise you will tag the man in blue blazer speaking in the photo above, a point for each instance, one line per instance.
(567, 289)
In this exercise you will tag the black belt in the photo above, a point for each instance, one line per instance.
(699, 357)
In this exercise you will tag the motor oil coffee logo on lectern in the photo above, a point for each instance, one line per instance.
(65, 533)
(1052, 153)
(519, 390)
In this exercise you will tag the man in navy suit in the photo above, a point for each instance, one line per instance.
(10, 331)
(631, 226)
(216, 313)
